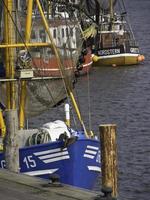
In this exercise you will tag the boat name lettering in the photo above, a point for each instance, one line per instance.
(29, 161)
(108, 52)
(134, 50)
(3, 164)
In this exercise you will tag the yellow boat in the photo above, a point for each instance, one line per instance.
(114, 43)
(118, 59)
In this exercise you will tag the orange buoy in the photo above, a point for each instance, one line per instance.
(143, 57)
(139, 58)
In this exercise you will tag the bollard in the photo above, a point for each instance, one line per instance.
(109, 157)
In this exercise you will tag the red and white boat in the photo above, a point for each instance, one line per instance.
(67, 37)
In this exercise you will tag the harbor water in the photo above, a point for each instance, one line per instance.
(121, 95)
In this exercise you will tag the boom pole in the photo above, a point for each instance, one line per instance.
(24, 83)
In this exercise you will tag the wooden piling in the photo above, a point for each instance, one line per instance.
(109, 157)
(11, 143)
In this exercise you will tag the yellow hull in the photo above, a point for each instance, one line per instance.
(117, 60)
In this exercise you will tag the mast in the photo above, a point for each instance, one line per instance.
(111, 10)
(9, 38)
(97, 12)
(23, 83)
(11, 146)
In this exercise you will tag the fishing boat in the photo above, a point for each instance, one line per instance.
(55, 148)
(114, 43)
(61, 27)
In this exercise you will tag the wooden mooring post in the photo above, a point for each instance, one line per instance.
(109, 158)
(11, 144)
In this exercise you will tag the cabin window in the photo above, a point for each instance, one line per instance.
(77, 35)
(54, 33)
(106, 40)
(71, 32)
(67, 33)
(63, 33)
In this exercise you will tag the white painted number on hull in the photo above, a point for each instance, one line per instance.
(29, 161)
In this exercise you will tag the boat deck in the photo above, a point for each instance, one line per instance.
(18, 186)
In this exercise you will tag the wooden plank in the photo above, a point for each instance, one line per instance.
(15, 186)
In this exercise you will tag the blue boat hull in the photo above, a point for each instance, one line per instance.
(77, 165)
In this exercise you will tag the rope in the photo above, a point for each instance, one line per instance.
(40, 137)
(89, 102)
(123, 7)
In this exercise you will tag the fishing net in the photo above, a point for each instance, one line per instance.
(50, 89)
